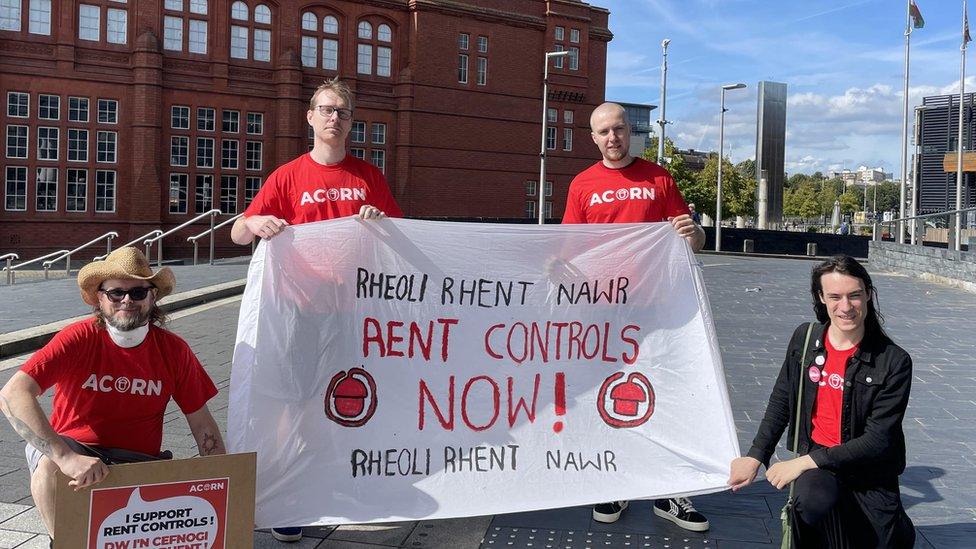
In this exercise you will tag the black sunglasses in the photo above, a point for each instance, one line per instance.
(135, 294)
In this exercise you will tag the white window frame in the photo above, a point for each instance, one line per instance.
(89, 33)
(109, 185)
(71, 198)
(462, 68)
(254, 156)
(357, 133)
(116, 26)
(10, 21)
(22, 141)
(17, 196)
(173, 117)
(258, 121)
(228, 162)
(82, 101)
(202, 141)
(114, 111)
(228, 201)
(482, 71)
(79, 156)
(46, 130)
(48, 194)
(202, 202)
(179, 143)
(39, 19)
(378, 130)
(41, 106)
(182, 185)
(364, 59)
(111, 155)
(172, 33)
(18, 106)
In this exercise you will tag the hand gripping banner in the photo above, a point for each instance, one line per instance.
(404, 370)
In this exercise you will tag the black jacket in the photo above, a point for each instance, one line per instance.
(877, 382)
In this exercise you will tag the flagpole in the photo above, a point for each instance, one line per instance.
(904, 126)
(962, 94)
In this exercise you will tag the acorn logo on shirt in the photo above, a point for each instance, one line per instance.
(332, 195)
(633, 193)
(134, 386)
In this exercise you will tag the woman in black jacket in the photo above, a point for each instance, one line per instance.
(851, 446)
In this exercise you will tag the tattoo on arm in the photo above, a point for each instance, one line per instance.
(209, 444)
(28, 434)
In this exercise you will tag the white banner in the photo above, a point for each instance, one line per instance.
(404, 370)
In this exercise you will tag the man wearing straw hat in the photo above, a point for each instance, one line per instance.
(114, 373)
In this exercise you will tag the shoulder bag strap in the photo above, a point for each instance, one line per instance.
(799, 395)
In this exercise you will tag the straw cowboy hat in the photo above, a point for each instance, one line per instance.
(126, 263)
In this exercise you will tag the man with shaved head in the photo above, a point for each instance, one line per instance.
(623, 189)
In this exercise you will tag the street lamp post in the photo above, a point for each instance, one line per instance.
(664, 99)
(916, 176)
(721, 147)
(545, 121)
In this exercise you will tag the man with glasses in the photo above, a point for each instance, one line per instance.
(325, 183)
(114, 375)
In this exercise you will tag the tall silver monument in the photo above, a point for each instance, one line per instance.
(770, 153)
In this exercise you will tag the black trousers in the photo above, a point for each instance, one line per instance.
(830, 512)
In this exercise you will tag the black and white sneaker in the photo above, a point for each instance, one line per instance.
(609, 512)
(681, 512)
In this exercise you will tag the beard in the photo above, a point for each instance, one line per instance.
(128, 322)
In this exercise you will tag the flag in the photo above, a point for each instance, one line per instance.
(917, 21)
(965, 25)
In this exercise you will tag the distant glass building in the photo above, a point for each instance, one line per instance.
(771, 148)
(939, 131)
(639, 116)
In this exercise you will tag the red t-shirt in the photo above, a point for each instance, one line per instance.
(641, 192)
(303, 191)
(110, 396)
(830, 394)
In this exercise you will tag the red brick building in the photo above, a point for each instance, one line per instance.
(129, 115)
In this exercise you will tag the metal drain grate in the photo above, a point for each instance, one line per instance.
(540, 538)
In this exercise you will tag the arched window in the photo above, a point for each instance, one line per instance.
(330, 25)
(365, 30)
(250, 39)
(374, 54)
(314, 41)
(262, 14)
(239, 11)
(309, 21)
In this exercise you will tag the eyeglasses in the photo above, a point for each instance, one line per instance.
(328, 110)
(135, 294)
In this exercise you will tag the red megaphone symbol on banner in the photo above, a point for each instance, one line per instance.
(350, 399)
(627, 403)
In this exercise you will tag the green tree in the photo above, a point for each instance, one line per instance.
(679, 170)
(747, 168)
(738, 192)
(803, 201)
(888, 195)
(852, 200)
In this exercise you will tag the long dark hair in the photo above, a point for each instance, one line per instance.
(849, 266)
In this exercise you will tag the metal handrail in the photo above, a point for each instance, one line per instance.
(10, 273)
(67, 256)
(877, 224)
(151, 233)
(196, 245)
(9, 257)
(159, 248)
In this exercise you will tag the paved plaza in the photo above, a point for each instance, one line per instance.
(756, 303)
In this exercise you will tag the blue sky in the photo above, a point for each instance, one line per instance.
(842, 60)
